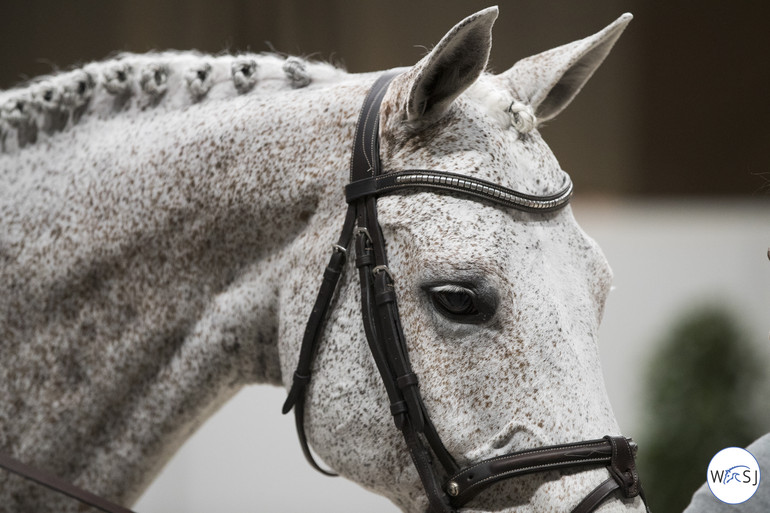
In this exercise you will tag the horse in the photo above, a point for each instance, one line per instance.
(165, 219)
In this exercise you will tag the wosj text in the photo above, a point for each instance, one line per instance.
(739, 474)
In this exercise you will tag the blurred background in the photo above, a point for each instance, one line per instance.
(668, 146)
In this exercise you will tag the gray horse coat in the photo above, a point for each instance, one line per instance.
(164, 221)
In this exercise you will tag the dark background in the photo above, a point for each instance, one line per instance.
(679, 108)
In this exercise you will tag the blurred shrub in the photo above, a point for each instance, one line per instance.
(701, 397)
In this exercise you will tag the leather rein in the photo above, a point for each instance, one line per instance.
(387, 343)
(453, 486)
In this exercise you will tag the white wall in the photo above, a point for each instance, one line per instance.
(670, 257)
(667, 256)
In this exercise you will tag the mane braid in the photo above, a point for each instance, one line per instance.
(131, 83)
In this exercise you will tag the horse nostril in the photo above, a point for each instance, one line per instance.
(499, 442)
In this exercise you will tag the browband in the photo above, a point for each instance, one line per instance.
(444, 181)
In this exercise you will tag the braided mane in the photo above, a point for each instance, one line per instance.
(131, 83)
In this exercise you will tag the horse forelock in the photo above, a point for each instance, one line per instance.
(131, 83)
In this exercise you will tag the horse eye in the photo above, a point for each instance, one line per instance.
(456, 303)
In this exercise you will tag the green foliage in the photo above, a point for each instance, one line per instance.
(701, 390)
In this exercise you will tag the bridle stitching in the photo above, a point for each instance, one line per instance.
(524, 453)
(363, 115)
(376, 126)
(415, 174)
(363, 142)
(531, 467)
(557, 200)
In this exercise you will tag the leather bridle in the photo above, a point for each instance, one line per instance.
(388, 347)
(450, 487)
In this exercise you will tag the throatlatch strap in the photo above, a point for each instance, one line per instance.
(366, 136)
(314, 325)
(313, 330)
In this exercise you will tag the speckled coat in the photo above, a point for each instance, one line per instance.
(164, 223)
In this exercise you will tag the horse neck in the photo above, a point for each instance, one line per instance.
(142, 267)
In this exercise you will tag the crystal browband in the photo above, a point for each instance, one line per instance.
(439, 181)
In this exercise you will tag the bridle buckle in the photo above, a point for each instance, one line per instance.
(383, 269)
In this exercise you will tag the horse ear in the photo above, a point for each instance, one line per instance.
(450, 68)
(550, 80)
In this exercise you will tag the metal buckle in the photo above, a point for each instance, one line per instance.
(336, 248)
(359, 231)
(383, 269)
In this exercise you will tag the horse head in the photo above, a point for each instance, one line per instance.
(500, 308)
(164, 223)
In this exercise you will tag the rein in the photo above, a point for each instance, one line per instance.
(387, 343)
(59, 485)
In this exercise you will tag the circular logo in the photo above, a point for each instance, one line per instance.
(733, 475)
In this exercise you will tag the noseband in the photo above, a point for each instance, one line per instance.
(387, 343)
